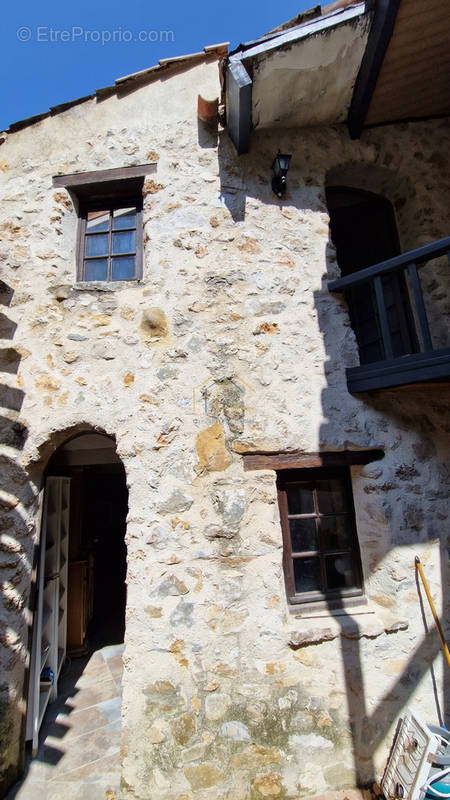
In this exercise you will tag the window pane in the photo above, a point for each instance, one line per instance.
(96, 270)
(300, 499)
(307, 575)
(339, 571)
(124, 218)
(124, 242)
(123, 268)
(96, 245)
(330, 496)
(97, 221)
(335, 534)
(303, 535)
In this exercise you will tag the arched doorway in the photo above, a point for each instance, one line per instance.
(79, 623)
(364, 232)
(98, 510)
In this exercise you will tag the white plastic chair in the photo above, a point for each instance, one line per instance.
(435, 786)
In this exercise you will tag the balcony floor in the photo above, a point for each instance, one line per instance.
(418, 368)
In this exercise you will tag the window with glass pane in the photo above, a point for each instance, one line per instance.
(321, 551)
(111, 241)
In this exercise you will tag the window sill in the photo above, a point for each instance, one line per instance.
(357, 620)
(334, 608)
(104, 286)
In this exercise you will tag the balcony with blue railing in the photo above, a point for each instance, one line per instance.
(400, 315)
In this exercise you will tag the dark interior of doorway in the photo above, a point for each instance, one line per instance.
(97, 551)
(104, 505)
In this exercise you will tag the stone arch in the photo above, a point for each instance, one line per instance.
(21, 525)
(50, 440)
(94, 551)
(46, 445)
(67, 441)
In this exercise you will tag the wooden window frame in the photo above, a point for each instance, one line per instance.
(110, 203)
(312, 476)
(120, 187)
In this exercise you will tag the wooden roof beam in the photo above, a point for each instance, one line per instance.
(379, 37)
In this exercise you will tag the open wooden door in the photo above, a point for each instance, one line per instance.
(50, 610)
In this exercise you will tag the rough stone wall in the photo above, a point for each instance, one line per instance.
(226, 694)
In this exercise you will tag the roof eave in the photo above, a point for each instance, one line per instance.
(239, 83)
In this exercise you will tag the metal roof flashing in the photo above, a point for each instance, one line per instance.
(301, 31)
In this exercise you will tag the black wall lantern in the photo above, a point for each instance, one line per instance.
(280, 167)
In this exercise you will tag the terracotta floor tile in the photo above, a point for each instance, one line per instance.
(93, 660)
(99, 790)
(86, 749)
(67, 726)
(112, 650)
(107, 765)
(29, 791)
(76, 739)
(115, 666)
(83, 698)
(94, 677)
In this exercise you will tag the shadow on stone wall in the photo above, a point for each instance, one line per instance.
(241, 180)
(233, 191)
(207, 133)
(415, 411)
(250, 176)
(16, 500)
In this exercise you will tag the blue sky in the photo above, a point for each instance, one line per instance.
(52, 51)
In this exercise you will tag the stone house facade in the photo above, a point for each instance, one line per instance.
(218, 373)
